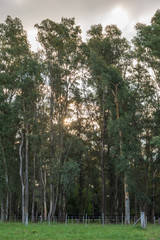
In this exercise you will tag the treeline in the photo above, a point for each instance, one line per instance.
(79, 121)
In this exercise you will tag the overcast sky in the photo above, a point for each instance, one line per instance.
(124, 13)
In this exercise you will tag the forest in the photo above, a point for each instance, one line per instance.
(79, 121)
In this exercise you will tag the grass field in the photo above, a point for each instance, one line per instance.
(39, 231)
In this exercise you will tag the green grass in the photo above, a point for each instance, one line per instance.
(17, 231)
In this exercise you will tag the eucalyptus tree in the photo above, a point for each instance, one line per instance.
(9, 33)
(108, 62)
(20, 71)
(146, 44)
(62, 53)
(144, 92)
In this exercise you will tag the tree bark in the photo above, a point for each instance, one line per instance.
(153, 194)
(135, 206)
(44, 196)
(10, 205)
(21, 175)
(6, 179)
(53, 200)
(26, 178)
(34, 177)
(116, 195)
(2, 211)
(102, 156)
(103, 181)
(127, 203)
(126, 193)
(80, 192)
(44, 182)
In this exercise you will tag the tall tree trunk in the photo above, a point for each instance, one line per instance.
(6, 180)
(44, 182)
(102, 156)
(126, 193)
(135, 206)
(53, 200)
(2, 211)
(127, 203)
(53, 193)
(10, 205)
(41, 194)
(63, 206)
(146, 191)
(153, 194)
(45, 201)
(103, 181)
(116, 195)
(51, 209)
(60, 205)
(34, 177)
(80, 195)
(7, 206)
(26, 178)
(21, 175)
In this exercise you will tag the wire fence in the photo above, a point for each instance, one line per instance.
(84, 219)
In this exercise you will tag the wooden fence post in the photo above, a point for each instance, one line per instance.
(154, 220)
(143, 220)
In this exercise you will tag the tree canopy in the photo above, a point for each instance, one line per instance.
(79, 121)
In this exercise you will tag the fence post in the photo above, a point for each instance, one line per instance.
(154, 220)
(41, 218)
(143, 220)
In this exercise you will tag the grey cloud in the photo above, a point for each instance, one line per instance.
(138, 8)
(86, 12)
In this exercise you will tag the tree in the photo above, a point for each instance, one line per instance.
(19, 68)
(106, 54)
(146, 45)
(61, 44)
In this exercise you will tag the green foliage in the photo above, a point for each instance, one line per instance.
(90, 112)
(70, 172)
(156, 141)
